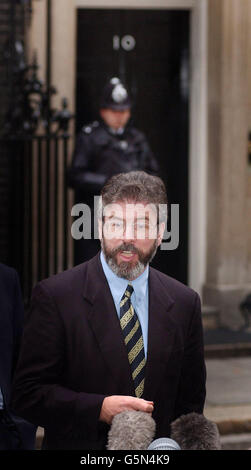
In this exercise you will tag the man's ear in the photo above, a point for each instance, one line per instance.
(161, 233)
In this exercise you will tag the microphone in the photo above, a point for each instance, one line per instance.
(131, 430)
(164, 443)
(195, 432)
(135, 430)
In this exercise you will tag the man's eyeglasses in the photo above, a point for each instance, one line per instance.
(140, 228)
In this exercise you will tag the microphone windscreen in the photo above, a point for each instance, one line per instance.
(164, 443)
(195, 432)
(131, 430)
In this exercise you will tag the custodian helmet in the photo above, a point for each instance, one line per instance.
(115, 96)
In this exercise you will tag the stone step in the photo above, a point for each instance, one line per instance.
(234, 425)
(236, 441)
(224, 351)
(230, 418)
(210, 317)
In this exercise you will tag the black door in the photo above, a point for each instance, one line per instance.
(149, 50)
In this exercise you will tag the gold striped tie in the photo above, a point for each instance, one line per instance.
(133, 338)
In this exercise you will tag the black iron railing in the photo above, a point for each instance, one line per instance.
(38, 207)
(34, 149)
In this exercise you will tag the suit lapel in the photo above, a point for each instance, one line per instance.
(105, 324)
(161, 333)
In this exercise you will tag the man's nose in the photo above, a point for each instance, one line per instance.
(129, 232)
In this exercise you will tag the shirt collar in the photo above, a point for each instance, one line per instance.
(118, 131)
(139, 284)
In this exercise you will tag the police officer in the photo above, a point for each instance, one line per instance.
(104, 148)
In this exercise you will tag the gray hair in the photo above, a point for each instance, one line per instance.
(135, 186)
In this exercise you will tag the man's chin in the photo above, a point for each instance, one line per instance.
(126, 269)
(130, 272)
(124, 265)
(127, 265)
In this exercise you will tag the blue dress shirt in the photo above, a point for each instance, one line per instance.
(139, 297)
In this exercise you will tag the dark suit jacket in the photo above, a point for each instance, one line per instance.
(11, 327)
(73, 355)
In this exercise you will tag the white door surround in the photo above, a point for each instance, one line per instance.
(198, 123)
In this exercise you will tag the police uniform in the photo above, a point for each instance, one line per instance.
(102, 152)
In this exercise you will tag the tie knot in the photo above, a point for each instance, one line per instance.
(129, 290)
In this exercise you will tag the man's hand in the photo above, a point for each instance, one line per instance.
(117, 403)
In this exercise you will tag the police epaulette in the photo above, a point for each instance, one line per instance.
(90, 127)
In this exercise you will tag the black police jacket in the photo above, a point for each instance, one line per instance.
(100, 154)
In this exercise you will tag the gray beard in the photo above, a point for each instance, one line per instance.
(124, 269)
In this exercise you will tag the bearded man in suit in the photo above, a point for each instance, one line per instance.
(112, 334)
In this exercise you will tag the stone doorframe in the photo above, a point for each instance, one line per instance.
(64, 43)
(197, 123)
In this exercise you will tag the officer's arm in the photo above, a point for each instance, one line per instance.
(79, 174)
